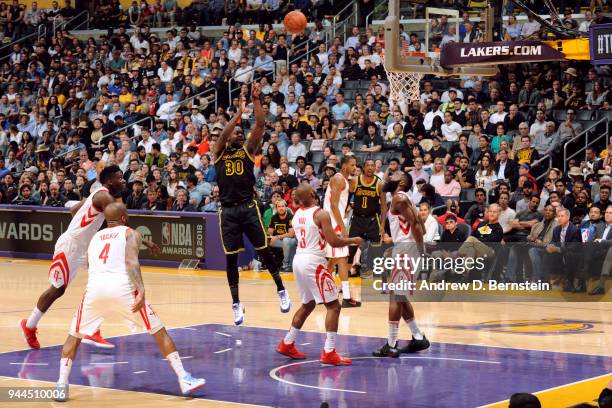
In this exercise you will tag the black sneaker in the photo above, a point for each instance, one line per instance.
(350, 303)
(387, 351)
(415, 345)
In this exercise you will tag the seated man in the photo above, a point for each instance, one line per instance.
(563, 253)
(600, 249)
(521, 227)
(282, 235)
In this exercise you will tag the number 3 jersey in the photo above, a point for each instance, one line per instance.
(235, 175)
(310, 240)
(106, 257)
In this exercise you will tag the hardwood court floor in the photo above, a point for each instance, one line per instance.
(578, 334)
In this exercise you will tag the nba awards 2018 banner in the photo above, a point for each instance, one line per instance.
(491, 53)
(34, 230)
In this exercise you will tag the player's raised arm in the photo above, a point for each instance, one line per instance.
(336, 186)
(132, 266)
(323, 221)
(257, 132)
(401, 205)
(227, 132)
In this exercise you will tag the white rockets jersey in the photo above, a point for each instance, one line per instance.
(342, 203)
(87, 221)
(399, 226)
(310, 239)
(106, 255)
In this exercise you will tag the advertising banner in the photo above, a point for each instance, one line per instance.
(491, 53)
(601, 44)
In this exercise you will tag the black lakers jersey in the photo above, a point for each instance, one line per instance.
(366, 199)
(280, 226)
(235, 176)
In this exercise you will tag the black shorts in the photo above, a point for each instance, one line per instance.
(367, 228)
(244, 218)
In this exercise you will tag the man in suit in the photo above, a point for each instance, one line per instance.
(599, 252)
(506, 169)
(563, 251)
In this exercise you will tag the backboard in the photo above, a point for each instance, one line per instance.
(398, 58)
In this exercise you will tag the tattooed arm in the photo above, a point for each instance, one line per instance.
(132, 266)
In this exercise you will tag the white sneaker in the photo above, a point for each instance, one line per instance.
(61, 392)
(238, 310)
(285, 302)
(189, 384)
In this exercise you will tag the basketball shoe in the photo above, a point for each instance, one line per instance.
(387, 351)
(61, 394)
(190, 384)
(350, 303)
(238, 310)
(29, 334)
(290, 350)
(415, 345)
(285, 302)
(333, 358)
(98, 341)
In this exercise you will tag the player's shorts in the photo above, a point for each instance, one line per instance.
(404, 275)
(244, 218)
(367, 228)
(69, 256)
(340, 252)
(313, 279)
(99, 301)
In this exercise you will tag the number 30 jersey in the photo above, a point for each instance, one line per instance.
(310, 240)
(106, 256)
(235, 175)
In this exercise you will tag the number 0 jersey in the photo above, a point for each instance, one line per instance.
(366, 201)
(106, 256)
(235, 175)
(310, 240)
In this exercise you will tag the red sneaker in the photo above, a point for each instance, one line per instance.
(29, 335)
(98, 341)
(333, 358)
(289, 350)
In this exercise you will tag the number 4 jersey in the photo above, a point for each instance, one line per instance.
(106, 257)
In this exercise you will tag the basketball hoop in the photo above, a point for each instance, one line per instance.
(404, 87)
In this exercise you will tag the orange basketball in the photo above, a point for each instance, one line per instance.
(295, 22)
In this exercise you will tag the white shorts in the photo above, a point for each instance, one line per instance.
(340, 252)
(99, 301)
(404, 275)
(313, 279)
(69, 256)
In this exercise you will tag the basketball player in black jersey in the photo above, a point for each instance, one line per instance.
(240, 211)
(369, 210)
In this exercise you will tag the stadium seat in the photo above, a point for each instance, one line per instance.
(447, 146)
(337, 145)
(379, 156)
(352, 85)
(306, 144)
(465, 228)
(559, 115)
(362, 156)
(468, 194)
(584, 115)
(392, 155)
(357, 145)
(317, 156)
(440, 84)
(603, 114)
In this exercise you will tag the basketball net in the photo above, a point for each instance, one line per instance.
(403, 86)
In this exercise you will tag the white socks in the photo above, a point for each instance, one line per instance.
(177, 365)
(330, 341)
(34, 318)
(393, 333)
(416, 333)
(346, 290)
(291, 335)
(65, 366)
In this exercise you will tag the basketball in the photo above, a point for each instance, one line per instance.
(295, 22)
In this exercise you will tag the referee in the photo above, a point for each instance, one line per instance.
(240, 211)
(369, 210)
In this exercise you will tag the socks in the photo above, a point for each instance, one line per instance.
(346, 290)
(34, 318)
(270, 262)
(393, 333)
(65, 366)
(291, 335)
(416, 333)
(177, 365)
(330, 341)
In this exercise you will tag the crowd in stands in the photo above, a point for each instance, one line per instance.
(155, 105)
